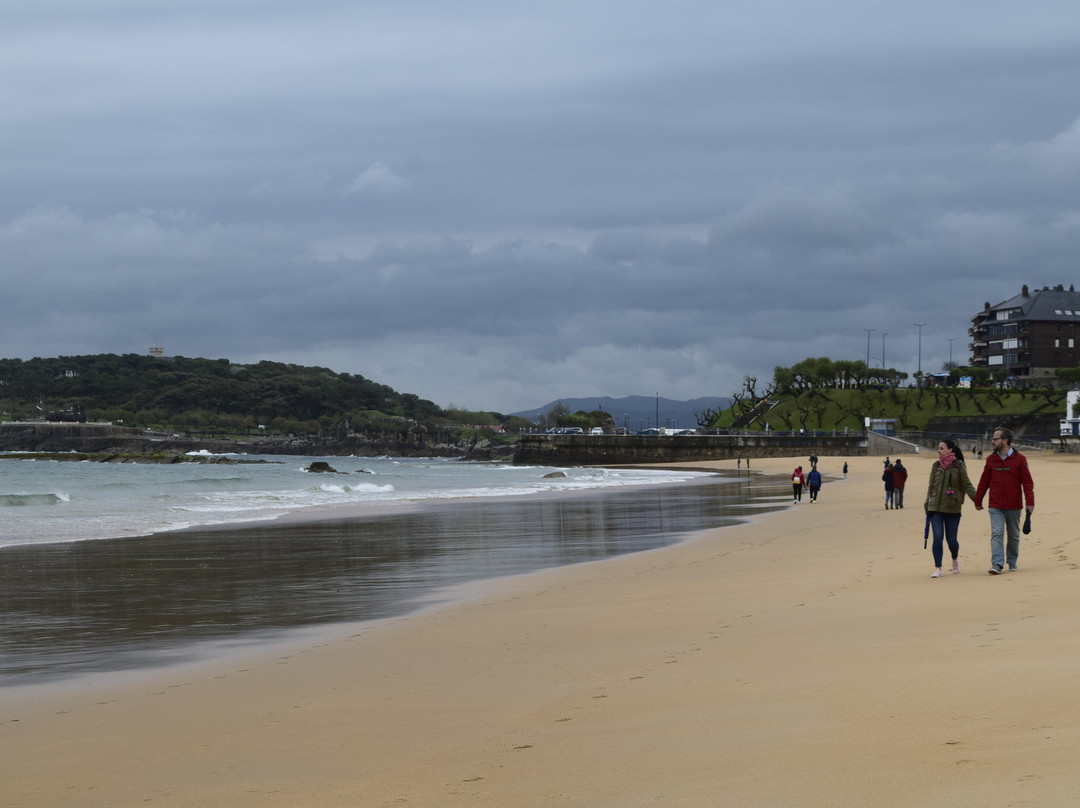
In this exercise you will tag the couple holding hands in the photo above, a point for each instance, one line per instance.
(1005, 476)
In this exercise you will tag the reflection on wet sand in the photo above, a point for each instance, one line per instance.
(106, 605)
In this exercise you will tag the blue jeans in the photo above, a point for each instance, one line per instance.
(1002, 522)
(945, 525)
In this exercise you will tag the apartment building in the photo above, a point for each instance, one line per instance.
(1028, 336)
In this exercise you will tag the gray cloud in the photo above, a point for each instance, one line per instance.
(499, 206)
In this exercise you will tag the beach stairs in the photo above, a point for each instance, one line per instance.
(878, 444)
(755, 412)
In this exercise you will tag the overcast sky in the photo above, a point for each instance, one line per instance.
(498, 204)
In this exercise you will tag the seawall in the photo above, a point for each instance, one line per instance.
(417, 442)
(605, 450)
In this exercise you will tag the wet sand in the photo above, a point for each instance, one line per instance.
(119, 604)
(806, 658)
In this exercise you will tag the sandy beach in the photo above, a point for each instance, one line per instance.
(805, 659)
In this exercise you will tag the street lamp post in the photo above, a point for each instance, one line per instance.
(883, 335)
(868, 331)
(919, 326)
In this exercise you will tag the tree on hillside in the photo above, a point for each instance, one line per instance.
(823, 373)
(1070, 376)
(744, 400)
(707, 416)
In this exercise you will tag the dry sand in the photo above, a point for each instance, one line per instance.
(806, 659)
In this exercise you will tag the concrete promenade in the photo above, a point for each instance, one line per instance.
(596, 450)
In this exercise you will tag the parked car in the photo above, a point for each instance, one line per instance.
(596, 430)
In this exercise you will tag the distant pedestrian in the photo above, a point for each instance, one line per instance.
(899, 475)
(887, 478)
(813, 482)
(813, 461)
(1008, 479)
(845, 469)
(797, 483)
(949, 482)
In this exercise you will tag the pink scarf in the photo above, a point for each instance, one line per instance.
(946, 460)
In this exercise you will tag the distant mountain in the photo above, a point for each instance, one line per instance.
(638, 412)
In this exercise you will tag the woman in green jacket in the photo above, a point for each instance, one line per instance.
(949, 482)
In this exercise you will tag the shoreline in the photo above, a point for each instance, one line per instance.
(413, 502)
(165, 599)
(806, 657)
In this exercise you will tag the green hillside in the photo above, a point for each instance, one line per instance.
(213, 396)
(835, 409)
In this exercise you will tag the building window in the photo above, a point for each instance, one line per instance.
(995, 360)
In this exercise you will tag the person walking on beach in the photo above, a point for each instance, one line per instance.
(887, 478)
(813, 482)
(797, 483)
(899, 477)
(949, 481)
(1008, 479)
(845, 469)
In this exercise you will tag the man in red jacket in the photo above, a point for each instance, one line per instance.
(1007, 477)
(899, 479)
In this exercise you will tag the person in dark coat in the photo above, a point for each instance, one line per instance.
(887, 478)
(813, 482)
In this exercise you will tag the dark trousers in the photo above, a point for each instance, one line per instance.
(945, 525)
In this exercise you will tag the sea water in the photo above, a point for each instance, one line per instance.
(111, 567)
(60, 501)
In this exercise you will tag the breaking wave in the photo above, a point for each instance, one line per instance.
(24, 500)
